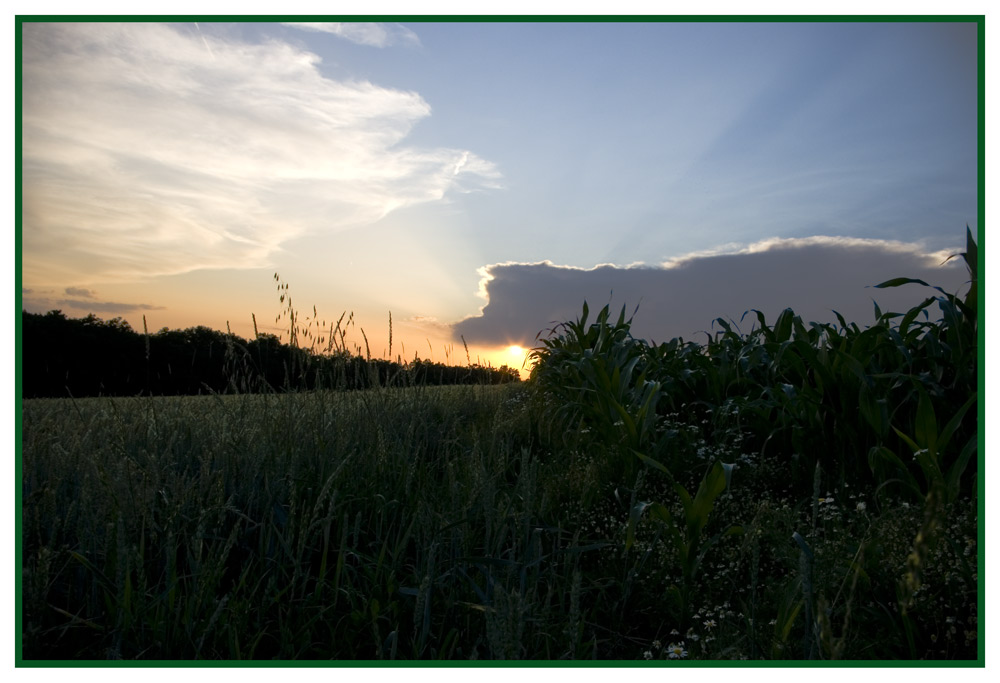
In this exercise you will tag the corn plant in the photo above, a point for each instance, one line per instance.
(685, 536)
(598, 375)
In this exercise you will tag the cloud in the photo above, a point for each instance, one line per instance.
(151, 149)
(425, 326)
(107, 306)
(682, 298)
(363, 33)
(41, 304)
(80, 291)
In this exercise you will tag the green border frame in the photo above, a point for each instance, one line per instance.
(979, 20)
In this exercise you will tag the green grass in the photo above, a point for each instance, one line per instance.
(289, 526)
(436, 523)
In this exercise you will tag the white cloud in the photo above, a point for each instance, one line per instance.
(152, 149)
(916, 251)
(361, 32)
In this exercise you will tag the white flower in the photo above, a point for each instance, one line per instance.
(861, 506)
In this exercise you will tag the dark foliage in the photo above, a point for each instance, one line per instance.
(92, 357)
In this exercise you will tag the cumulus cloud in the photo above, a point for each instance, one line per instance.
(151, 149)
(682, 298)
(363, 33)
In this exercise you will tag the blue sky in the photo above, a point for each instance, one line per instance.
(170, 170)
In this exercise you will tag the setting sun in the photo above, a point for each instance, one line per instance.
(515, 351)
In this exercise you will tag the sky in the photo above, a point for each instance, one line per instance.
(479, 181)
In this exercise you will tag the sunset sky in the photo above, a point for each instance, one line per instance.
(480, 180)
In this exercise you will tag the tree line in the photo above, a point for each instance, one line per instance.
(62, 356)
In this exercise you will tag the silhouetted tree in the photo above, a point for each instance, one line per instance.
(91, 357)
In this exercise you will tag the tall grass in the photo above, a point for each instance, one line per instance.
(293, 526)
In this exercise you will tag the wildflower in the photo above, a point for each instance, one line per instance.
(676, 650)
(861, 507)
(657, 645)
(710, 623)
(647, 654)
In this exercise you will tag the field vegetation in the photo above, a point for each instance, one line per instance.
(802, 491)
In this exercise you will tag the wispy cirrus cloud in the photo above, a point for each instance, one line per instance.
(153, 149)
(361, 32)
(683, 297)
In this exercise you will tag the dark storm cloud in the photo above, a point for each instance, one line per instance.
(813, 276)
